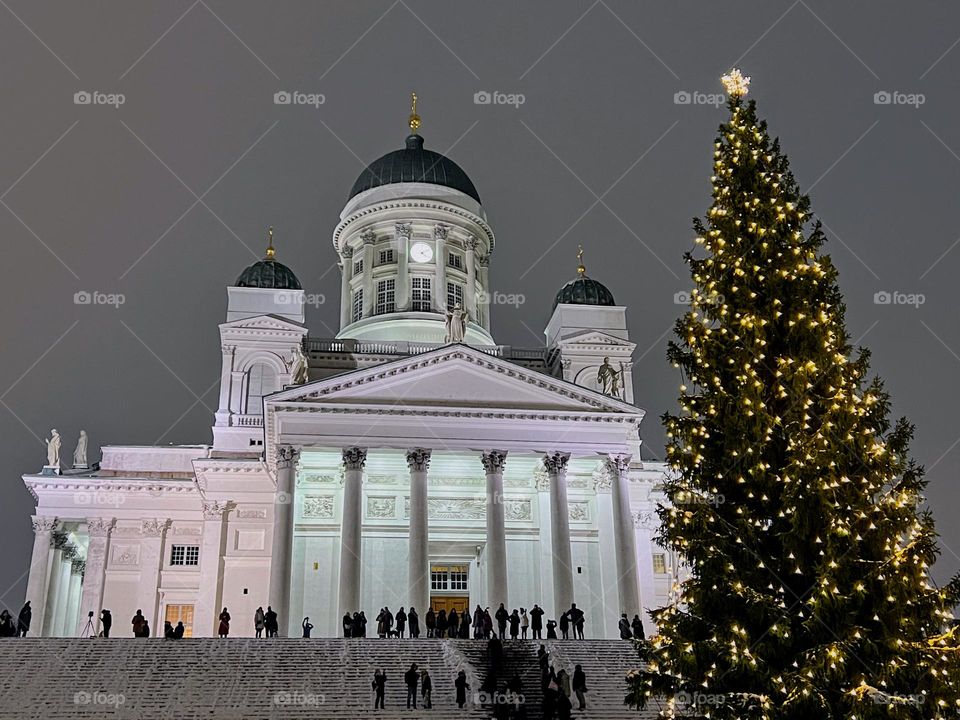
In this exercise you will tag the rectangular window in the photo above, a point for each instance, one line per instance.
(659, 563)
(454, 295)
(357, 305)
(386, 257)
(185, 555)
(455, 261)
(438, 580)
(386, 297)
(358, 267)
(420, 296)
(458, 580)
(180, 613)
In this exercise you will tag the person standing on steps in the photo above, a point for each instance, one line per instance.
(259, 621)
(487, 624)
(146, 629)
(401, 621)
(502, 617)
(624, 627)
(515, 692)
(563, 696)
(431, 621)
(24, 619)
(106, 622)
(465, 625)
(411, 677)
(224, 628)
(347, 625)
(477, 623)
(179, 630)
(441, 628)
(524, 623)
(414, 621)
(637, 626)
(577, 618)
(565, 626)
(536, 622)
(514, 624)
(137, 623)
(379, 686)
(453, 623)
(426, 689)
(580, 686)
(168, 632)
(270, 622)
(362, 622)
(462, 686)
(551, 629)
(307, 627)
(355, 624)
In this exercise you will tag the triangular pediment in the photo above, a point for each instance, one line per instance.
(456, 376)
(595, 339)
(263, 323)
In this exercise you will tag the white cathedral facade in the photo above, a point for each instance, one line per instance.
(409, 461)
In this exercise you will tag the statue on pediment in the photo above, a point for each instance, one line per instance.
(456, 325)
(610, 379)
(298, 367)
(53, 449)
(80, 454)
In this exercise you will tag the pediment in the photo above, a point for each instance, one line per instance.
(596, 339)
(263, 324)
(456, 376)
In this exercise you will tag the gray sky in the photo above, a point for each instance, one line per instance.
(165, 198)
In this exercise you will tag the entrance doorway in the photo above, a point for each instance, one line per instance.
(180, 613)
(448, 588)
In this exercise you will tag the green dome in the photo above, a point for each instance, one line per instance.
(583, 290)
(268, 273)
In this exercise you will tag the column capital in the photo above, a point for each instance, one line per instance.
(44, 524)
(354, 458)
(418, 459)
(471, 243)
(153, 527)
(99, 527)
(58, 539)
(346, 253)
(403, 230)
(69, 552)
(617, 464)
(556, 463)
(214, 509)
(494, 461)
(368, 236)
(228, 349)
(440, 231)
(78, 567)
(287, 456)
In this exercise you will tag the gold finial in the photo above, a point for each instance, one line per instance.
(414, 118)
(270, 251)
(581, 270)
(735, 83)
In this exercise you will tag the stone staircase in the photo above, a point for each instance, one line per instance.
(213, 679)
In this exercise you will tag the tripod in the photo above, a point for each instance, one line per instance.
(88, 629)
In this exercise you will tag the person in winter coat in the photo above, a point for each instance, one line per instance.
(514, 624)
(487, 624)
(347, 624)
(414, 621)
(462, 686)
(580, 685)
(431, 621)
(453, 623)
(464, 625)
(411, 677)
(24, 619)
(224, 628)
(362, 622)
(565, 626)
(551, 629)
(379, 686)
(179, 630)
(401, 619)
(502, 616)
(441, 627)
(426, 689)
(259, 622)
(106, 622)
(524, 623)
(536, 622)
(478, 623)
(637, 626)
(307, 627)
(271, 623)
(137, 623)
(624, 626)
(563, 696)
(168, 632)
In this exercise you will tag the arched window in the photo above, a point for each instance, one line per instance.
(261, 381)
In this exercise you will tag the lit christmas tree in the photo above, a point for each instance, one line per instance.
(793, 502)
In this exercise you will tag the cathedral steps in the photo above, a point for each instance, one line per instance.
(237, 678)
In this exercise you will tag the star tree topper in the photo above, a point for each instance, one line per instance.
(735, 83)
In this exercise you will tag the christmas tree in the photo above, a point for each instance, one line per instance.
(792, 502)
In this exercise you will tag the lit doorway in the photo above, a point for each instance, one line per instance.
(180, 613)
(448, 588)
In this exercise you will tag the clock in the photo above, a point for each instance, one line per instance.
(421, 252)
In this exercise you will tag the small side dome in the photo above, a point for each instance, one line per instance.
(268, 273)
(583, 290)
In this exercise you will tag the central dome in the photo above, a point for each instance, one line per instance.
(414, 164)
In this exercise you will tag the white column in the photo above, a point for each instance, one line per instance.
(546, 541)
(77, 567)
(484, 264)
(91, 596)
(346, 298)
(207, 607)
(418, 571)
(369, 239)
(624, 534)
(471, 299)
(402, 244)
(556, 466)
(493, 464)
(440, 266)
(59, 619)
(609, 590)
(37, 584)
(351, 529)
(58, 541)
(227, 353)
(282, 552)
(152, 532)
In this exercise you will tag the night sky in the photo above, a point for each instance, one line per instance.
(165, 197)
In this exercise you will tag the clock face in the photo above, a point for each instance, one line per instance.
(421, 252)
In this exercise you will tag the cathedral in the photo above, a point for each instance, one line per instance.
(408, 461)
